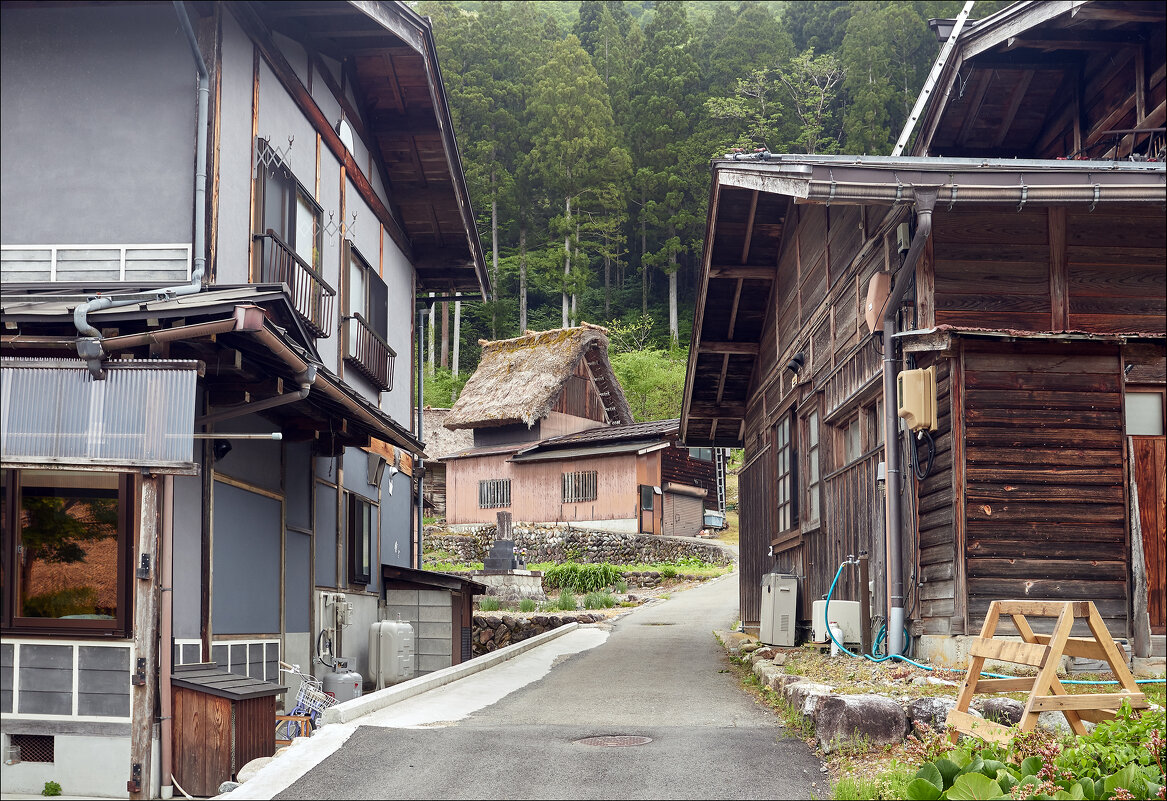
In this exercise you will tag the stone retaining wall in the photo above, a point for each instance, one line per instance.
(555, 543)
(492, 632)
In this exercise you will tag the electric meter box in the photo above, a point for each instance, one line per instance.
(779, 609)
(916, 397)
(391, 652)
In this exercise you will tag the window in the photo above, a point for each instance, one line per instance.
(852, 441)
(362, 534)
(367, 294)
(68, 537)
(286, 208)
(647, 497)
(785, 476)
(1144, 413)
(813, 484)
(579, 487)
(494, 493)
(704, 454)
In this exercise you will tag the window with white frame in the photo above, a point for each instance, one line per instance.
(494, 493)
(579, 487)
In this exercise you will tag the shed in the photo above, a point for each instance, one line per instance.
(222, 721)
(439, 606)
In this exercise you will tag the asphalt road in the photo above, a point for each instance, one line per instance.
(658, 675)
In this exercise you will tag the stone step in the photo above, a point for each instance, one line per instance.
(1159, 645)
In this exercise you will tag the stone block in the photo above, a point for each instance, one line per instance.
(401, 597)
(767, 672)
(933, 712)
(804, 696)
(871, 718)
(1005, 711)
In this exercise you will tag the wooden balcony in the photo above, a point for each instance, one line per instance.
(311, 294)
(369, 353)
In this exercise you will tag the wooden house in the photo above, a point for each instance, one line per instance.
(215, 220)
(554, 442)
(440, 442)
(1017, 249)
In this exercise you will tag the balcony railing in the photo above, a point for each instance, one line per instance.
(369, 353)
(311, 294)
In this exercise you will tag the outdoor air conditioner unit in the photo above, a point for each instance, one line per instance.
(779, 609)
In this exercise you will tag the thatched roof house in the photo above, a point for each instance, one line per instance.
(521, 380)
(439, 440)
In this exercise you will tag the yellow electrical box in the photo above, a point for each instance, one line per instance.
(916, 397)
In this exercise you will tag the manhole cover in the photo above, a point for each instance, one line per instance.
(616, 740)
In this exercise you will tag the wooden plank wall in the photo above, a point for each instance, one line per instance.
(679, 467)
(1045, 500)
(851, 506)
(580, 396)
(936, 519)
(202, 741)
(756, 482)
(255, 729)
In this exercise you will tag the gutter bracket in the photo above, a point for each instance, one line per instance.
(1097, 194)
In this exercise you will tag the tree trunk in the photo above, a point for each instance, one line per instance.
(445, 334)
(432, 328)
(607, 278)
(566, 261)
(494, 254)
(522, 277)
(674, 331)
(643, 264)
(457, 333)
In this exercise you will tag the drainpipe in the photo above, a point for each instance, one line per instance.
(166, 644)
(89, 343)
(925, 200)
(418, 466)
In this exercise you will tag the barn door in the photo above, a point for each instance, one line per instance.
(1144, 423)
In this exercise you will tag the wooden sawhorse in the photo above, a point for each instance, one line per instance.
(1043, 652)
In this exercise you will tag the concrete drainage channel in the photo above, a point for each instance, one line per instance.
(615, 740)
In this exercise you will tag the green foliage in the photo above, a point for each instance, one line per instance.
(527, 605)
(565, 602)
(67, 601)
(889, 784)
(1122, 758)
(599, 600)
(51, 788)
(621, 586)
(653, 381)
(582, 578)
(668, 571)
(441, 388)
(489, 604)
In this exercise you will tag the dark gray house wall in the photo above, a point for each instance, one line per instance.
(98, 139)
(188, 555)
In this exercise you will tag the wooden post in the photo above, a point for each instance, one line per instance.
(864, 603)
(445, 334)
(144, 668)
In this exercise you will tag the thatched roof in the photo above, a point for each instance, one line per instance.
(439, 440)
(520, 379)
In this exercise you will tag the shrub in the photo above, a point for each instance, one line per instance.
(580, 578)
(668, 571)
(488, 604)
(1121, 758)
(599, 600)
(51, 788)
(527, 605)
(565, 602)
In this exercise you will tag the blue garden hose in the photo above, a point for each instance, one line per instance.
(902, 658)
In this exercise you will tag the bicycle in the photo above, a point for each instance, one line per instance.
(311, 701)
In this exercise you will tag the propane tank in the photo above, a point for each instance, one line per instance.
(390, 652)
(343, 684)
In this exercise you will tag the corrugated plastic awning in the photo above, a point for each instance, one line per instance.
(53, 413)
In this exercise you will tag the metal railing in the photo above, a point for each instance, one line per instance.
(311, 294)
(369, 353)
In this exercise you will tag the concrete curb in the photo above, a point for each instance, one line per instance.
(350, 710)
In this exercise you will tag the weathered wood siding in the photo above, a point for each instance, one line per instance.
(580, 396)
(756, 508)
(1045, 504)
(678, 467)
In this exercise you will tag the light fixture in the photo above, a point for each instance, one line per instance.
(376, 468)
(221, 448)
(796, 363)
(345, 132)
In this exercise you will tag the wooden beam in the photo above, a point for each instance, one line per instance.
(1129, 13)
(974, 106)
(749, 226)
(738, 348)
(736, 271)
(1059, 277)
(145, 615)
(1021, 685)
(737, 297)
(736, 410)
(721, 378)
(1010, 651)
(1019, 90)
(1044, 703)
(286, 75)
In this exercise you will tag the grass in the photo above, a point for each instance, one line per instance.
(528, 605)
(890, 783)
(599, 600)
(565, 602)
(621, 586)
(488, 604)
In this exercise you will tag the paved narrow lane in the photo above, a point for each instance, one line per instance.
(658, 675)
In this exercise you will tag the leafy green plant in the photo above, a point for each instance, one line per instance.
(581, 578)
(888, 784)
(599, 600)
(668, 571)
(621, 586)
(1122, 758)
(488, 604)
(565, 602)
(51, 788)
(527, 605)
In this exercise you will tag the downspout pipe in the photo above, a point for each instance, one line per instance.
(418, 465)
(89, 343)
(925, 201)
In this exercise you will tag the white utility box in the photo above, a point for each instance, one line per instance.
(390, 652)
(845, 613)
(779, 609)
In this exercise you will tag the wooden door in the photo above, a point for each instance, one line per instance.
(1150, 466)
(647, 505)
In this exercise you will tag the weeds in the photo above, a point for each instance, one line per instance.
(527, 605)
(621, 586)
(565, 602)
(488, 604)
(599, 600)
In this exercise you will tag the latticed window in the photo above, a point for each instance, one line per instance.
(785, 475)
(579, 487)
(494, 493)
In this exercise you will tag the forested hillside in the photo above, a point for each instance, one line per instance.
(586, 131)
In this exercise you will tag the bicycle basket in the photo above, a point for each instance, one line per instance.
(313, 698)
